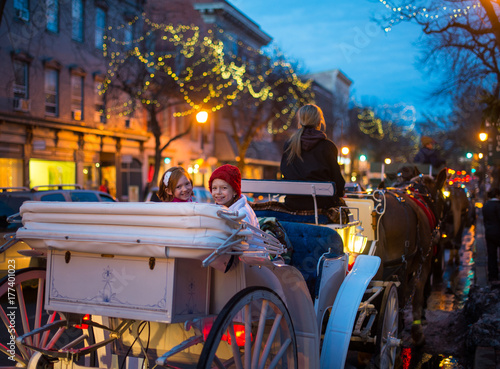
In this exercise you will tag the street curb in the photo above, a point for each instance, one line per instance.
(481, 256)
(484, 357)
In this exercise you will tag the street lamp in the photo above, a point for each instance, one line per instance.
(483, 136)
(382, 169)
(202, 116)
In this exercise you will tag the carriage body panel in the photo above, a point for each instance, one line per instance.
(148, 262)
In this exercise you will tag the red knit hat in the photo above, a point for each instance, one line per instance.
(228, 173)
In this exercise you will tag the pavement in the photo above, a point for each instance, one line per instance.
(485, 357)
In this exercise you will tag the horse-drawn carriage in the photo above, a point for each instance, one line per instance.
(191, 285)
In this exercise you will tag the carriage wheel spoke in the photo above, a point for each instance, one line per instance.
(235, 348)
(269, 334)
(260, 332)
(248, 336)
(280, 353)
(270, 340)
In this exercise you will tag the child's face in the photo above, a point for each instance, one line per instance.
(222, 192)
(184, 189)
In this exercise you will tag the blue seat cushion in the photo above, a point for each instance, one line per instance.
(309, 243)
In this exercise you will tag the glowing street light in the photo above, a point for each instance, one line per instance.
(483, 136)
(344, 150)
(387, 161)
(202, 117)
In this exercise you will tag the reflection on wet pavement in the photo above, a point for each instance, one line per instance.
(452, 293)
(448, 296)
(427, 361)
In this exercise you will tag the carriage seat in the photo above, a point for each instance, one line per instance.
(276, 209)
(309, 243)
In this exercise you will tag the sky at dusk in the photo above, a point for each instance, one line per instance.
(340, 34)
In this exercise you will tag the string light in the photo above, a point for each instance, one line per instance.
(408, 12)
(221, 82)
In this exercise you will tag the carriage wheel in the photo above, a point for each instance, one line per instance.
(22, 299)
(253, 330)
(388, 341)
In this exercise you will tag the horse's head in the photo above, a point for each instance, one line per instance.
(432, 187)
(406, 173)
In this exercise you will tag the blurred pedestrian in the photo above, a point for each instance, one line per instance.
(491, 219)
(104, 187)
(176, 186)
(428, 153)
(310, 156)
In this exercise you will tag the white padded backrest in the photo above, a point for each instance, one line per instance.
(288, 187)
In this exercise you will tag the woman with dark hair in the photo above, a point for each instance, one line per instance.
(310, 156)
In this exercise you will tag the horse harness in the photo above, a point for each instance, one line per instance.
(403, 260)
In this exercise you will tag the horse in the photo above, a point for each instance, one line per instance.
(456, 220)
(407, 238)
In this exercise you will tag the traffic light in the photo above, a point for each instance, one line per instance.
(468, 155)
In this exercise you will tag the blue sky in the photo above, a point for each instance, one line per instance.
(328, 34)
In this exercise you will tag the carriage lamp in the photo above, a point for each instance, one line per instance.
(355, 246)
(358, 242)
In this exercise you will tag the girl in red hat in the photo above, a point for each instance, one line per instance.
(225, 186)
(176, 186)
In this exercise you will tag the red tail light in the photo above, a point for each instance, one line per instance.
(83, 326)
(239, 332)
(349, 266)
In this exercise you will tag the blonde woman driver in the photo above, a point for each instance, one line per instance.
(310, 156)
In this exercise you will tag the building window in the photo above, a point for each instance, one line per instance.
(77, 97)
(51, 92)
(22, 10)
(100, 28)
(20, 79)
(77, 20)
(100, 103)
(52, 15)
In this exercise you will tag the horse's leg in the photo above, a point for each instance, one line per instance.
(419, 304)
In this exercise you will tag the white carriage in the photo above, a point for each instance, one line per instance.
(182, 285)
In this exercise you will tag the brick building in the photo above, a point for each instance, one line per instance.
(54, 125)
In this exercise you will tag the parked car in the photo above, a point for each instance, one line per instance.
(11, 199)
(201, 194)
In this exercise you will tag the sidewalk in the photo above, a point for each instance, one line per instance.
(485, 357)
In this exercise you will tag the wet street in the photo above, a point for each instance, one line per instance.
(443, 327)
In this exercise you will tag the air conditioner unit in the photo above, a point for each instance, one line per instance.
(76, 114)
(22, 104)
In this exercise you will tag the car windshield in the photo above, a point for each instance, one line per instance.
(10, 204)
(83, 196)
